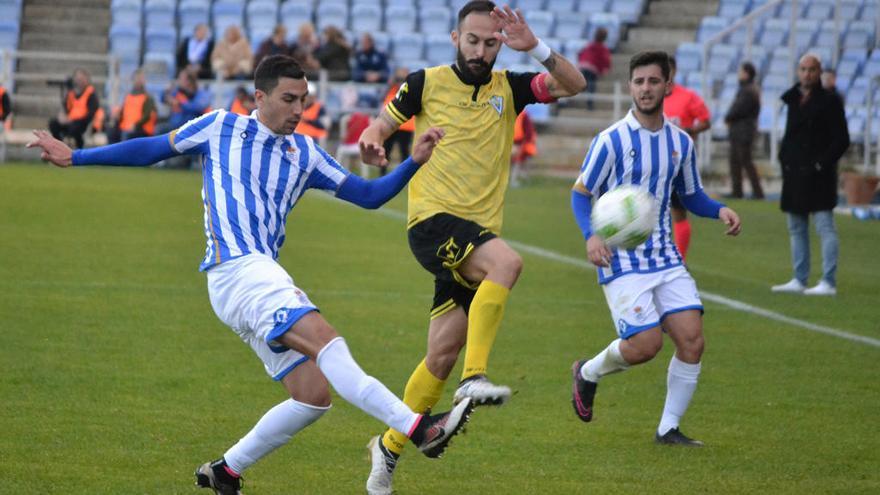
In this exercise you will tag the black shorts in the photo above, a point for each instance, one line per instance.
(441, 244)
(674, 201)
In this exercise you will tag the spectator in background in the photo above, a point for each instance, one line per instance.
(816, 136)
(305, 46)
(370, 64)
(137, 117)
(742, 125)
(312, 123)
(687, 110)
(232, 56)
(186, 100)
(829, 82)
(194, 52)
(333, 54)
(243, 102)
(5, 107)
(274, 45)
(403, 136)
(525, 146)
(594, 61)
(78, 109)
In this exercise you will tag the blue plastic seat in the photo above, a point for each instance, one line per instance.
(226, 13)
(593, 6)
(564, 7)
(190, 13)
(125, 42)
(293, 15)
(541, 22)
(126, 13)
(819, 10)
(439, 49)
(710, 26)
(572, 25)
(399, 19)
(408, 46)
(611, 23)
(160, 13)
(733, 9)
(775, 33)
(688, 57)
(262, 14)
(435, 20)
(9, 30)
(628, 10)
(160, 39)
(527, 5)
(366, 18)
(331, 14)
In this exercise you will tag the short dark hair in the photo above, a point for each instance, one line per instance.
(273, 68)
(659, 58)
(600, 35)
(749, 69)
(475, 6)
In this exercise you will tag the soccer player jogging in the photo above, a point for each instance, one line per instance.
(255, 169)
(455, 204)
(647, 288)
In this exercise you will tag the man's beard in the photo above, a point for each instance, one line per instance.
(473, 75)
(649, 110)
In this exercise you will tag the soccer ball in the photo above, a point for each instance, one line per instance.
(624, 217)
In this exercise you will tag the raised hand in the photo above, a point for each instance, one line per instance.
(54, 151)
(515, 32)
(425, 144)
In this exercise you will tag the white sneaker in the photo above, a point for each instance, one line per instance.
(823, 288)
(793, 286)
(379, 482)
(481, 391)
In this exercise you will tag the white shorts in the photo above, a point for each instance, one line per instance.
(641, 301)
(256, 297)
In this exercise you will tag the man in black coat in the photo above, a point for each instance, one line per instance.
(815, 138)
(742, 124)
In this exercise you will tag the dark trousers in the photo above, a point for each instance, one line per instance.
(741, 159)
(115, 134)
(591, 78)
(74, 129)
(403, 139)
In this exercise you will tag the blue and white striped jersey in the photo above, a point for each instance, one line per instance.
(627, 153)
(251, 179)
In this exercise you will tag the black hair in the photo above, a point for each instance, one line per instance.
(273, 68)
(475, 6)
(659, 58)
(749, 69)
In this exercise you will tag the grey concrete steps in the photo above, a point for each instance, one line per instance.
(93, 16)
(48, 41)
(56, 26)
(73, 4)
(31, 66)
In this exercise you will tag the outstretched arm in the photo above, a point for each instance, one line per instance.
(564, 79)
(373, 138)
(374, 193)
(138, 152)
(701, 204)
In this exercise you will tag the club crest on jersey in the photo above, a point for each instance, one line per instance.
(281, 316)
(497, 103)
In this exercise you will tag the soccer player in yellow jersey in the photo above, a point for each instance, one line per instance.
(455, 204)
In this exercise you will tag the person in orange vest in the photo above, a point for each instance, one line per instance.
(137, 117)
(243, 103)
(404, 135)
(525, 146)
(5, 105)
(79, 106)
(311, 123)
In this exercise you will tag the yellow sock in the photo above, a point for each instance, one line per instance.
(484, 318)
(422, 392)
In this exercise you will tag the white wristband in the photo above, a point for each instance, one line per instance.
(541, 52)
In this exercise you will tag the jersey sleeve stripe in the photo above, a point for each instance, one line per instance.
(396, 114)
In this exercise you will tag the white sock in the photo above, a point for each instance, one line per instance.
(361, 390)
(606, 362)
(273, 430)
(680, 385)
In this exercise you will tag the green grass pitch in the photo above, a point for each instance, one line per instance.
(117, 378)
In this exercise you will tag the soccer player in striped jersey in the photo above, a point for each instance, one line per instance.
(255, 169)
(648, 289)
(455, 205)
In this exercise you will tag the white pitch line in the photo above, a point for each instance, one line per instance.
(716, 298)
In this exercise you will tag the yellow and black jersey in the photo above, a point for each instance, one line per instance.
(468, 171)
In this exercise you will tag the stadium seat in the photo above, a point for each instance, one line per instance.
(688, 57)
(407, 46)
(366, 18)
(628, 10)
(226, 13)
(733, 9)
(805, 32)
(538, 113)
(435, 20)
(593, 6)
(262, 14)
(125, 42)
(8, 35)
(611, 22)
(758, 56)
(774, 85)
(710, 26)
(160, 13)
(439, 49)
(382, 41)
(400, 19)
(293, 15)
(529, 5)
(819, 10)
(571, 47)
(775, 33)
(160, 39)
(722, 60)
(331, 14)
(258, 34)
(10, 11)
(826, 35)
(860, 34)
(564, 7)
(871, 68)
(409, 4)
(780, 61)
(191, 13)
(509, 57)
(572, 25)
(541, 22)
(784, 11)
(850, 9)
(158, 64)
(694, 81)
(126, 13)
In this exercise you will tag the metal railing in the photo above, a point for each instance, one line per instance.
(869, 132)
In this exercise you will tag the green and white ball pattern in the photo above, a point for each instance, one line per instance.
(624, 217)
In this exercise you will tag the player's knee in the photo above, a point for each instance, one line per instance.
(691, 349)
(514, 264)
(644, 348)
(442, 359)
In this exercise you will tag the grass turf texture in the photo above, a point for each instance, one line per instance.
(118, 378)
